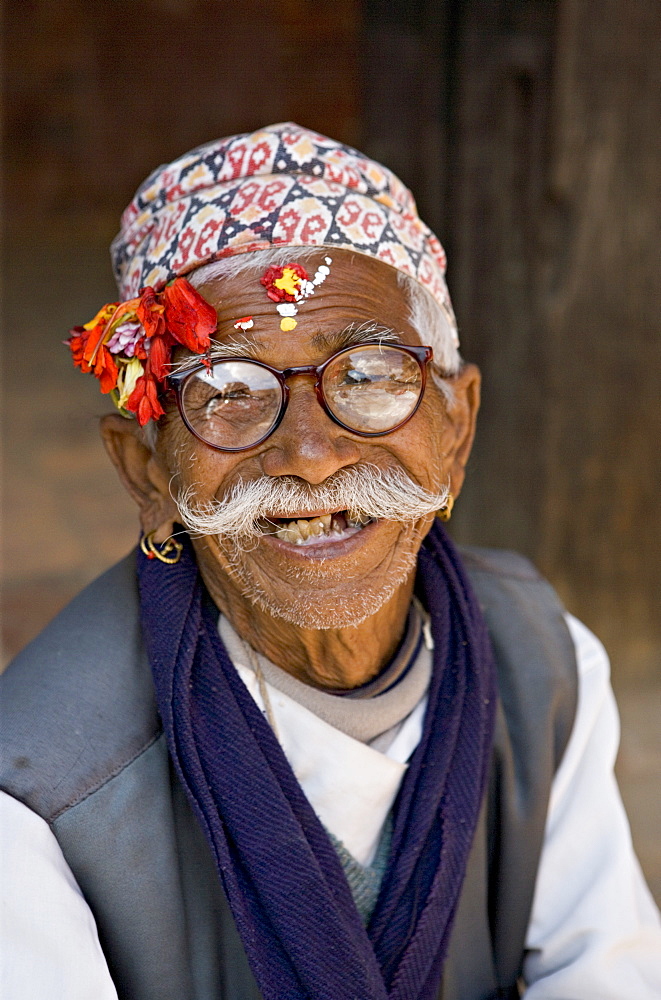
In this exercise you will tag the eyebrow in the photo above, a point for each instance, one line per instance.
(244, 347)
(237, 347)
(354, 334)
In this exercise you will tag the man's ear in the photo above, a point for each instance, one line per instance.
(142, 472)
(463, 417)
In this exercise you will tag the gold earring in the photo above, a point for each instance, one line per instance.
(445, 513)
(164, 553)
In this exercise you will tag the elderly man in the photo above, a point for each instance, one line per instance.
(304, 748)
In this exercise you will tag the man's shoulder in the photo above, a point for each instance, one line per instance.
(499, 562)
(503, 579)
(534, 650)
(78, 701)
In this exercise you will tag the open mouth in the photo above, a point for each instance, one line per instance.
(312, 530)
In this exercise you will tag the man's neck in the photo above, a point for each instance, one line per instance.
(340, 658)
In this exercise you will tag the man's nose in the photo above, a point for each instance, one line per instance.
(308, 444)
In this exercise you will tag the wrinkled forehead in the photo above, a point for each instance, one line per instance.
(307, 294)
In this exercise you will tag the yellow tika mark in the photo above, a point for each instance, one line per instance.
(289, 281)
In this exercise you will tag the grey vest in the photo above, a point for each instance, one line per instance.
(83, 747)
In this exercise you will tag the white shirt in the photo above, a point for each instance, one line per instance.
(594, 933)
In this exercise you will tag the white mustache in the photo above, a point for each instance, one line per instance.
(364, 491)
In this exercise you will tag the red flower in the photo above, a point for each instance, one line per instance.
(189, 319)
(150, 312)
(94, 339)
(281, 282)
(88, 352)
(144, 401)
(178, 315)
(160, 352)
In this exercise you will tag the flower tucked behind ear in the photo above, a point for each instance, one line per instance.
(89, 353)
(128, 345)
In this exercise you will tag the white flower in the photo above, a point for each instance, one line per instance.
(129, 374)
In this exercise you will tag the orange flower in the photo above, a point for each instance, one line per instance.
(94, 340)
(90, 336)
(105, 369)
(88, 350)
(188, 317)
(77, 341)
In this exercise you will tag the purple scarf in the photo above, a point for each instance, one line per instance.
(287, 891)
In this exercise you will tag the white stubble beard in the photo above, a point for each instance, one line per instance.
(313, 609)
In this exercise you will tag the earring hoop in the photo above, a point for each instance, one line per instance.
(445, 513)
(163, 553)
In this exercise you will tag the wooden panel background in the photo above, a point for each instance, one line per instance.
(545, 189)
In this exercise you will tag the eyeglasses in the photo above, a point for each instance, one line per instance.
(234, 403)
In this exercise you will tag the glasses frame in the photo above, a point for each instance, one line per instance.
(177, 381)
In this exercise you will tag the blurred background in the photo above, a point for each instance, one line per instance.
(529, 133)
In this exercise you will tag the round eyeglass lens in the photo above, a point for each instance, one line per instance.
(373, 388)
(232, 405)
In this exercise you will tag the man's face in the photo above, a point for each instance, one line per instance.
(335, 581)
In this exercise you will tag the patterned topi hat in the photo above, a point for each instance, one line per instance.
(280, 186)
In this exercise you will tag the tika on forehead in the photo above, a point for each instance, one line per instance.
(289, 285)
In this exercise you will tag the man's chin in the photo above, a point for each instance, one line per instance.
(319, 594)
(317, 613)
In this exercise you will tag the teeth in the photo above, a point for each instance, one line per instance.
(306, 529)
(288, 534)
